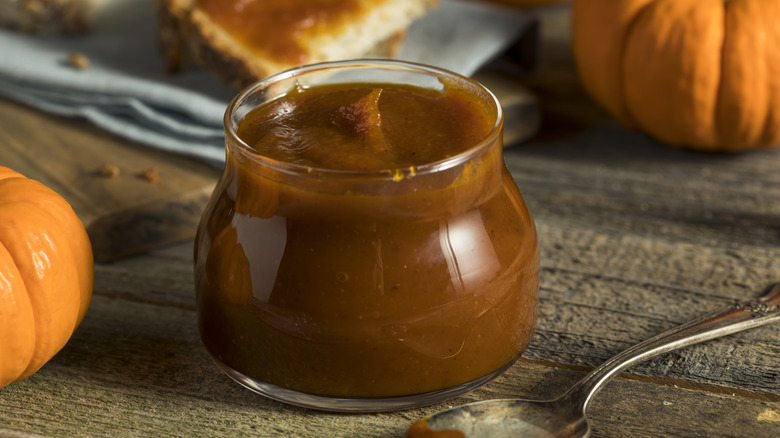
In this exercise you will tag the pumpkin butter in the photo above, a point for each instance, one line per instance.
(366, 241)
(274, 28)
(344, 128)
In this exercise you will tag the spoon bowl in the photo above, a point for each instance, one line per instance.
(512, 418)
(565, 416)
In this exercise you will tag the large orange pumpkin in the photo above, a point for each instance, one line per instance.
(46, 275)
(698, 73)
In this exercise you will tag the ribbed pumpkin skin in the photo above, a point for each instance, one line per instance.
(46, 275)
(703, 74)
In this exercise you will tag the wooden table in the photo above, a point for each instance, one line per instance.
(636, 237)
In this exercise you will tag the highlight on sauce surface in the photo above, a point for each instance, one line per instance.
(366, 127)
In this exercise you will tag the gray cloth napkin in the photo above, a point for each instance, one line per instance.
(125, 89)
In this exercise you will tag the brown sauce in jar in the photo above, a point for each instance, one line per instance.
(367, 127)
(314, 285)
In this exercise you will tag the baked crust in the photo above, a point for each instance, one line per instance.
(48, 16)
(187, 36)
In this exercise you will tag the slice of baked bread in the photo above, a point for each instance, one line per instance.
(48, 16)
(242, 41)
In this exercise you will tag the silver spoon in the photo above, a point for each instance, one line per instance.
(565, 415)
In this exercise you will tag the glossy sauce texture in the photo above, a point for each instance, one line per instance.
(367, 287)
(275, 27)
(367, 127)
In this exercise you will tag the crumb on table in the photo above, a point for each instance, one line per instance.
(109, 171)
(78, 60)
(151, 174)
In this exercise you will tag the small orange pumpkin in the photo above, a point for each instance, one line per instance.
(703, 74)
(46, 275)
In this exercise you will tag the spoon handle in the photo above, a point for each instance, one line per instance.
(731, 319)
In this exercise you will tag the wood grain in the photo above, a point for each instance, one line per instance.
(136, 368)
(638, 236)
(124, 214)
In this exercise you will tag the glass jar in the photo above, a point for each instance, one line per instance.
(365, 290)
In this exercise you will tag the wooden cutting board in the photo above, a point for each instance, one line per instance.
(125, 213)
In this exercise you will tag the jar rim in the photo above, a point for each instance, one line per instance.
(391, 173)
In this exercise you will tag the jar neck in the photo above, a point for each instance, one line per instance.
(263, 187)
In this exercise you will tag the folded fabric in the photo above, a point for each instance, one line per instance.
(125, 89)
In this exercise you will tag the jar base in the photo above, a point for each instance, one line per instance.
(356, 405)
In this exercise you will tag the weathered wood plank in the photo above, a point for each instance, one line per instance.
(136, 365)
(124, 214)
(621, 263)
(137, 369)
(597, 298)
(646, 191)
(637, 236)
